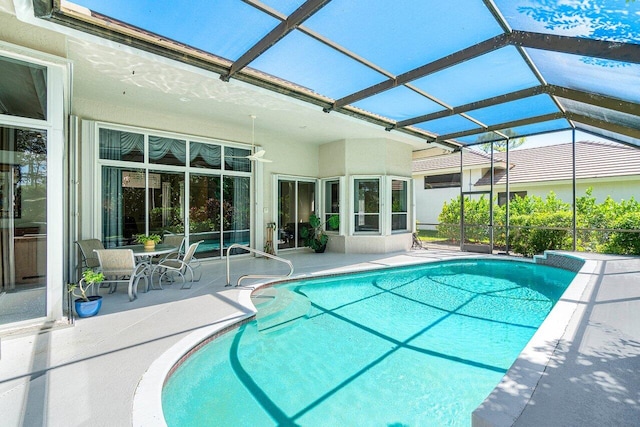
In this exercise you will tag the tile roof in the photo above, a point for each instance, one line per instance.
(450, 161)
(554, 163)
(548, 163)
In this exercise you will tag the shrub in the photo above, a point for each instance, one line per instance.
(627, 243)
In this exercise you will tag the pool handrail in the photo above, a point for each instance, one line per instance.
(257, 276)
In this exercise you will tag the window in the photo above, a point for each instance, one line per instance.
(502, 197)
(331, 201)
(23, 89)
(366, 205)
(399, 202)
(165, 184)
(442, 181)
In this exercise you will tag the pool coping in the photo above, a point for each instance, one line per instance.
(147, 400)
(510, 397)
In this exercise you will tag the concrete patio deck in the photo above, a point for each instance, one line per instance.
(87, 374)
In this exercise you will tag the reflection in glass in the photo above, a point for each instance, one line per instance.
(398, 205)
(331, 202)
(121, 145)
(166, 202)
(207, 156)
(306, 206)
(23, 89)
(236, 212)
(235, 159)
(286, 214)
(167, 151)
(366, 205)
(23, 223)
(205, 213)
(296, 203)
(123, 207)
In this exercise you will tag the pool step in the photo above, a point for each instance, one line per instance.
(279, 308)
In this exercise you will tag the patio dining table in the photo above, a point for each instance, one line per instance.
(145, 255)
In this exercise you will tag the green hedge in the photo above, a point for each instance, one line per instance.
(528, 214)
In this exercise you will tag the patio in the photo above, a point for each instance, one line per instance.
(88, 374)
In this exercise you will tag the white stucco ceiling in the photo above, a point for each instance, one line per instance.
(114, 73)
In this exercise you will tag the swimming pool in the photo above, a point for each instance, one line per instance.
(407, 346)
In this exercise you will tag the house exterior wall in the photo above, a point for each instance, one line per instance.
(429, 202)
(366, 157)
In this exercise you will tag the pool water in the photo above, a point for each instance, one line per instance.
(422, 345)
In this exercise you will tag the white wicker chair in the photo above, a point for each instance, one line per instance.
(179, 266)
(119, 265)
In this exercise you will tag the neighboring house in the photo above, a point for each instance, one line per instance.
(610, 169)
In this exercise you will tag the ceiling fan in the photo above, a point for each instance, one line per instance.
(255, 156)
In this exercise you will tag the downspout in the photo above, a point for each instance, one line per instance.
(575, 222)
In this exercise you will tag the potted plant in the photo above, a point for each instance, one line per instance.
(149, 241)
(314, 235)
(87, 306)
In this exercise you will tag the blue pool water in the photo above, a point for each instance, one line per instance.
(422, 345)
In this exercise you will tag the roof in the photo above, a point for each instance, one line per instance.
(450, 161)
(554, 163)
(547, 163)
(455, 73)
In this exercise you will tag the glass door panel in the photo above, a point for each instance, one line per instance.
(166, 202)
(205, 213)
(286, 214)
(236, 212)
(23, 224)
(306, 206)
(123, 207)
(296, 203)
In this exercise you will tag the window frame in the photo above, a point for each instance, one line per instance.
(381, 204)
(407, 212)
(340, 180)
(149, 167)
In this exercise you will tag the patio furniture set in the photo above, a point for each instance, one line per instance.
(131, 263)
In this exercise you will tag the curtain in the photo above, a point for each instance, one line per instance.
(159, 147)
(210, 154)
(118, 145)
(112, 212)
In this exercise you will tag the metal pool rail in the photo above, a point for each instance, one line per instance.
(257, 276)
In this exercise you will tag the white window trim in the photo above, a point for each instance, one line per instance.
(58, 106)
(276, 178)
(341, 199)
(92, 164)
(381, 205)
(409, 212)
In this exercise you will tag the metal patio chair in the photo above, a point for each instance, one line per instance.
(89, 257)
(178, 266)
(119, 266)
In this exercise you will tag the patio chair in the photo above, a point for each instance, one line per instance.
(176, 240)
(119, 266)
(179, 241)
(179, 266)
(416, 242)
(89, 257)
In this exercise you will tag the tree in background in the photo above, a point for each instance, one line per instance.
(500, 145)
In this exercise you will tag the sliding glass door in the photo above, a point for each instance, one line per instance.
(23, 224)
(296, 203)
